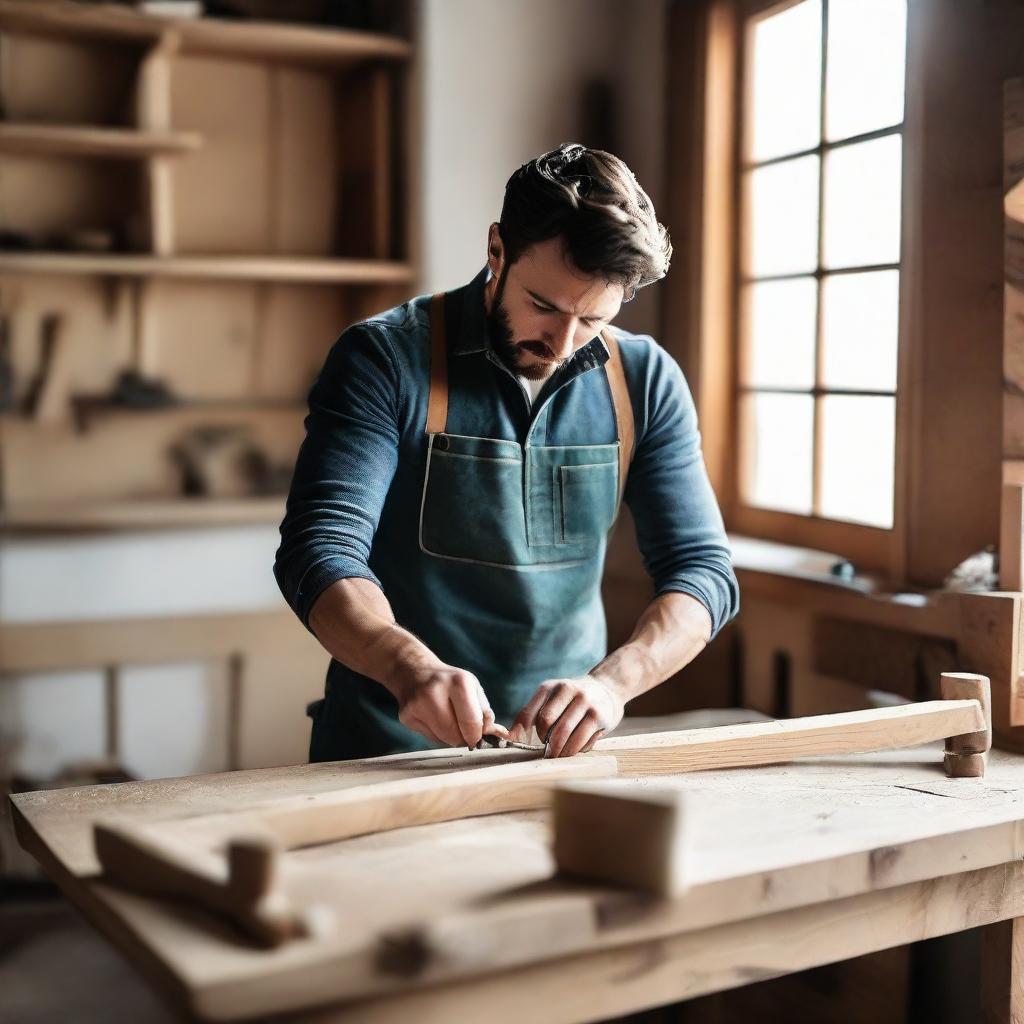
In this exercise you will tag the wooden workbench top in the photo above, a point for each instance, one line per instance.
(766, 840)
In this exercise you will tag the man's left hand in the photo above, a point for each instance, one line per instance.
(570, 714)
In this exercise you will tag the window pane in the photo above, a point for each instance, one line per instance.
(867, 45)
(862, 203)
(785, 82)
(777, 442)
(860, 327)
(781, 319)
(783, 217)
(858, 437)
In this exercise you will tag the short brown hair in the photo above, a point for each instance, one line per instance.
(594, 201)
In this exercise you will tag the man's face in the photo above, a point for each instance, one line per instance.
(542, 308)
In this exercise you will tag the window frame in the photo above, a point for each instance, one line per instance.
(873, 548)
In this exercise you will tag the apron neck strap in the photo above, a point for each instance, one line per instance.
(624, 422)
(437, 402)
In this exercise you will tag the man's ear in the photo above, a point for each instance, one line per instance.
(495, 250)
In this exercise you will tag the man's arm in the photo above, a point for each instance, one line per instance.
(686, 553)
(342, 476)
(353, 620)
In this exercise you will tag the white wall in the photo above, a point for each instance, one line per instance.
(500, 82)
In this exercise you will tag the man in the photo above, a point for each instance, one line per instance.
(464, 461)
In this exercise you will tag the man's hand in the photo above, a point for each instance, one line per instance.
(447, 705)
(570, 714)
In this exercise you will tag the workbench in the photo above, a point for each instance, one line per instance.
(793, 866)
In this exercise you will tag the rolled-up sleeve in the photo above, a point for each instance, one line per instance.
(344, 469)
(679, 525)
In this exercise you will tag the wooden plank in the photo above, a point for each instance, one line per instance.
(58, 646)
(80, 140)
(128, 455)
(632, 978)
(258, 40)
(138, 514)
(1011, 532)
(990, 627)
(256, 268)
(174, 858)
(765, 743)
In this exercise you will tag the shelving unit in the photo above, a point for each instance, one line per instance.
(223, 268)
(78, 140)
(247, 176)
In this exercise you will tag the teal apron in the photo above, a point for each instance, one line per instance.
(503, 576)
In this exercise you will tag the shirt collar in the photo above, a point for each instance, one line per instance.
(473, 337)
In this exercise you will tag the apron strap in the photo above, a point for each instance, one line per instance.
(624, 422)
(437, 402)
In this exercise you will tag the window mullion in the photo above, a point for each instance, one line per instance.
(816, 474)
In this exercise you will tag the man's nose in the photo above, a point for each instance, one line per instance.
(562, 339)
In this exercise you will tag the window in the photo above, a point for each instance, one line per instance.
(819, 265)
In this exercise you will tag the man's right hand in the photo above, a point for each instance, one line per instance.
(447, 705)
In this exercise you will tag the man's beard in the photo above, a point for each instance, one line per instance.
(499, 329)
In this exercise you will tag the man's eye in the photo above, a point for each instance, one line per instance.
(542, 309)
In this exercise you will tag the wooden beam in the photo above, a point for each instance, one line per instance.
(761, 743)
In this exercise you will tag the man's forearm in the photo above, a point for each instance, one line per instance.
(672, 631)
(353, 620)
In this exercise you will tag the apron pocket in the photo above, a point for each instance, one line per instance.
(589, 499)
(473, 501)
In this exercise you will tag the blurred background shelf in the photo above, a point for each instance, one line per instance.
(311, 270)
(336, 47)
(88, 140)
(141, 514)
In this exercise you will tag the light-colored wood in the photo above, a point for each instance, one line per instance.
(610, 833)
(62, 517)
(60, 646)
(89, 141)
(254, 40)
(255, 268)
(1011, 531)
(163, 868)
(153, 113)
(125, 456)
(968, 686)
(989, 643)
(772, 840)
(173, 858)
(785, 740)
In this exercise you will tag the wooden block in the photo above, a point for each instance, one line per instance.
(965, 753)
(628, 835)
(969, 686)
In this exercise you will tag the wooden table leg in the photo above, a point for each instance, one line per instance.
(1002, 972)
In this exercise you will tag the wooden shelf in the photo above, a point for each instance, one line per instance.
(81, 140)
(241, 39)
(250, 268)
(141, 514)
